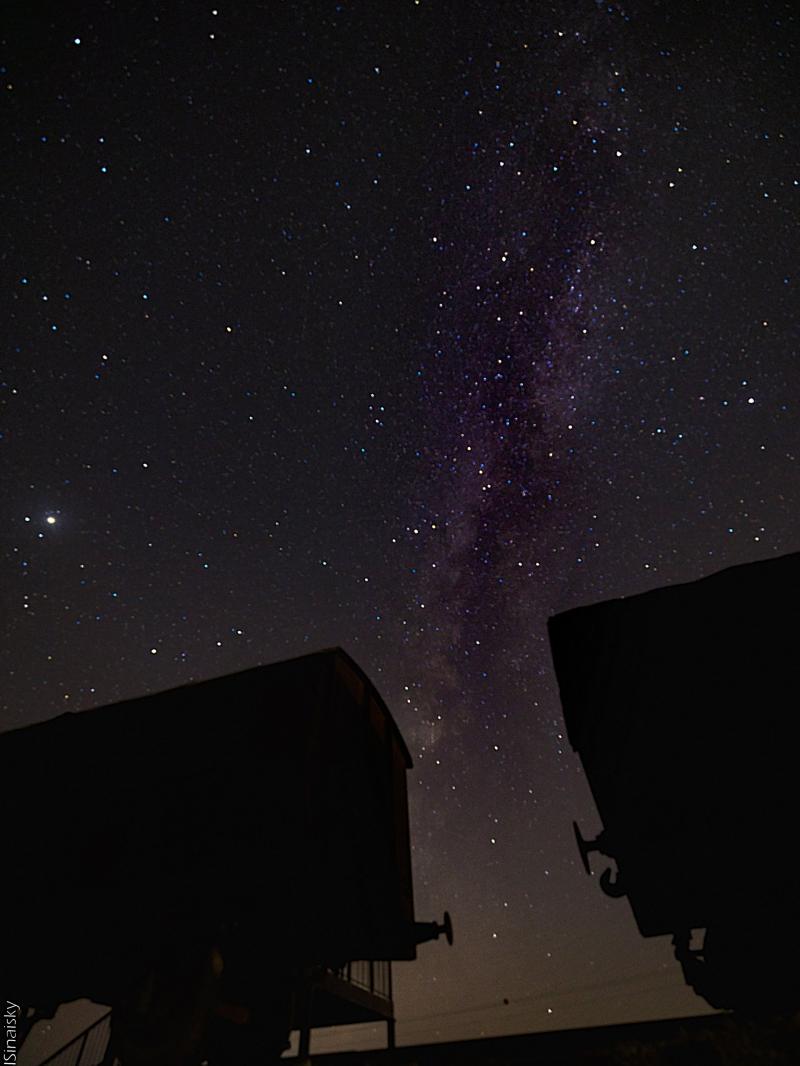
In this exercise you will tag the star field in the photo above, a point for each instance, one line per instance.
(399, 329)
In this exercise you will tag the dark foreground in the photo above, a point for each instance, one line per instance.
(712, 1040)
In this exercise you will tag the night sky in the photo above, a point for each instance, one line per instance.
(399, 327)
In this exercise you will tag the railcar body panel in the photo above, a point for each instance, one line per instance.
(265, 811)
(683, 706)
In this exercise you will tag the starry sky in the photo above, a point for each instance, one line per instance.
(399, 327)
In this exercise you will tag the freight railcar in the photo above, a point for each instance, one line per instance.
(682, 704)
(191, 857)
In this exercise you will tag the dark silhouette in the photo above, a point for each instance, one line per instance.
(682, 704)
(209, 860)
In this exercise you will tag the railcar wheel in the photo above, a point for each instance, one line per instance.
(244, 1043)
(163, 1018)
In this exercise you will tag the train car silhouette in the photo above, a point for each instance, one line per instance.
(195, 857)
(682, 704)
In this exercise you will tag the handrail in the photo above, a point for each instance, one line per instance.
(89, 1047)
(89, 1042)
(373, 976)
